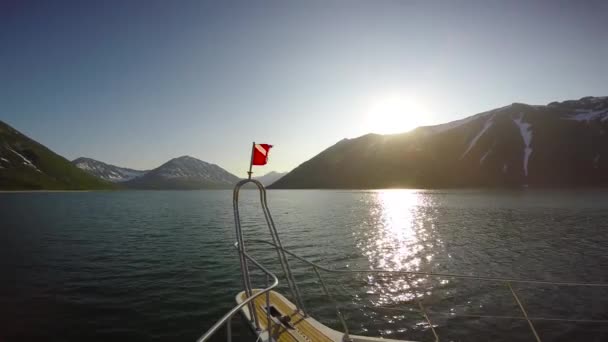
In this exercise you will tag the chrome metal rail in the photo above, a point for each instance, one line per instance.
(506, 281)
(424, 313)
(282, 254)
(291, 282)
(227, 318)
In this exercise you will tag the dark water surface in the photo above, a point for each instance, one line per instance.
(159, 266)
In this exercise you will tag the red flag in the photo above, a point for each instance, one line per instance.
(260, 154)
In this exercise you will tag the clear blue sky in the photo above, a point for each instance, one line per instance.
(135, 83)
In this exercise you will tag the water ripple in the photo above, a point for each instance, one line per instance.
(160, 265)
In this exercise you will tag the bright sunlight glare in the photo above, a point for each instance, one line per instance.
(394, 113)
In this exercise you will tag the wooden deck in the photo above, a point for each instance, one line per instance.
(302, 331)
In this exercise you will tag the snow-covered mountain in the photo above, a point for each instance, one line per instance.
(107, 172)
(185, 173)
(270, 177)
(554, 145)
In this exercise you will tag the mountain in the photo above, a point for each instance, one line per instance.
(28, 165)
(270, 177)
(185, 173)
(562, 144)
(110, 173)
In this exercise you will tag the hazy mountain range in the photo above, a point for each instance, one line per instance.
(179, 173)
(28, 165)
(270, 177)
(561, 144)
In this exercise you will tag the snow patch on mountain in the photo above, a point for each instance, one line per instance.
(185, 173)
(486, 125)
(525, 130)
(189, 167)
(589, 115)
(185, 167)
(26, 161)
(130, 174)
(84, 166)
(107, 172)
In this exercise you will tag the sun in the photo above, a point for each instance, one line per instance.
(394, 113)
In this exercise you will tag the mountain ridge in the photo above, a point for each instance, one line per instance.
(270, 177)
(184, 173)
(555, 145)
(561, 144)
(107, 172)
(121, 175)
(25, 164)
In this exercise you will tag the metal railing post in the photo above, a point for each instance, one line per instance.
(222, 321)
(346, 337)
(291, 282)
(523, 311)
(317, 268)
(229, 330)
(268, 320)
(422, 309)
(242, 250)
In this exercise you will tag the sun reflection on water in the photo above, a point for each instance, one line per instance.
(400, 236)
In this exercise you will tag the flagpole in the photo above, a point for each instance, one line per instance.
(251, 161)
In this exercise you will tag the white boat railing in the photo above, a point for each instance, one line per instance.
(282, 253)
(227, 318)
(317, 269)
